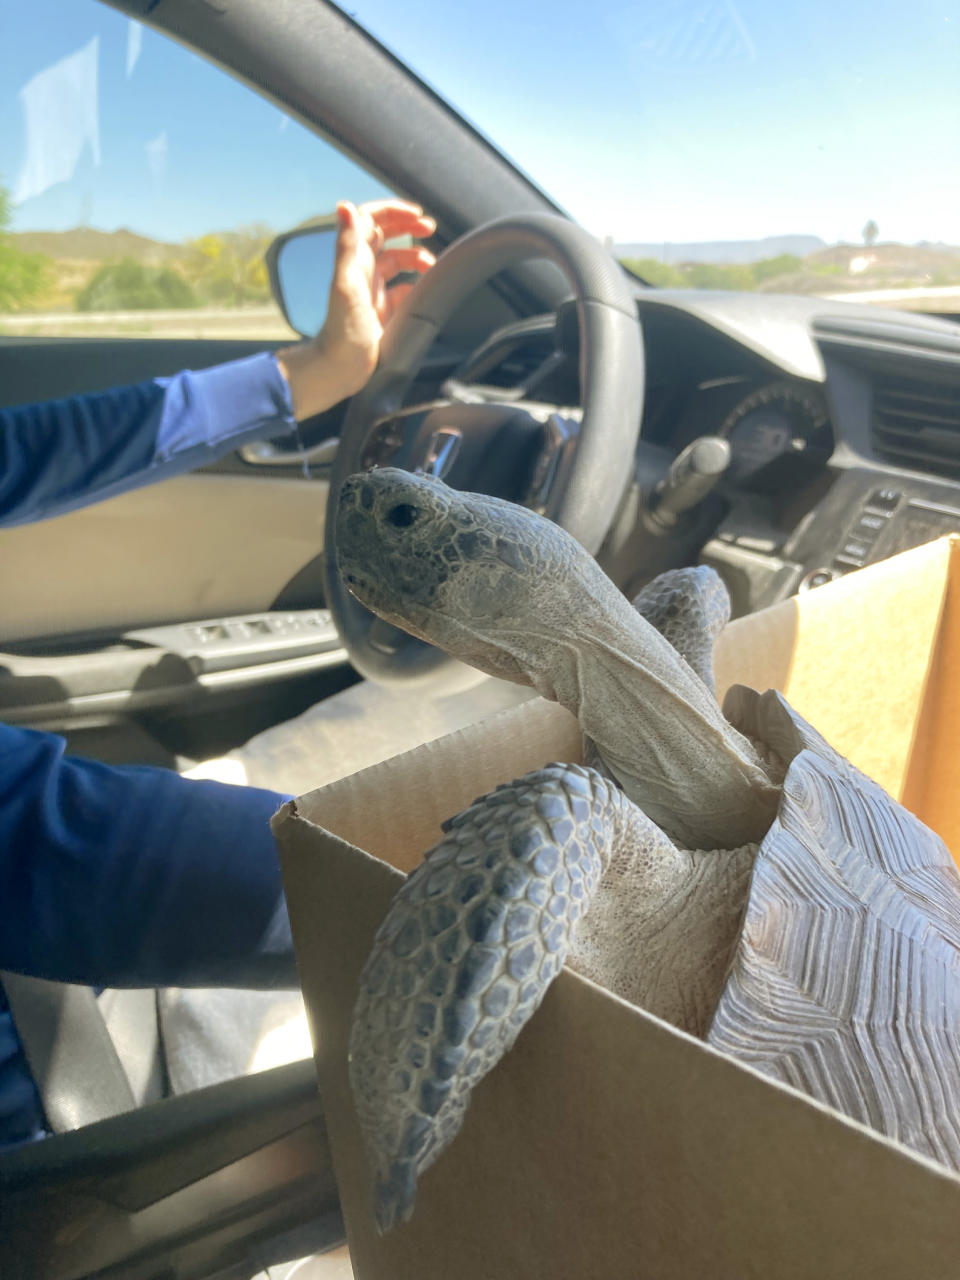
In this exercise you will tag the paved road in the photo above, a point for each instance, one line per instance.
(203, 322)
(266, 322)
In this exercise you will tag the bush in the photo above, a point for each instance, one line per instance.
(710, 275)
(948, 274)
(131, 286)
(23, 276)
(228, 268)
(656, 273)
(784, 264)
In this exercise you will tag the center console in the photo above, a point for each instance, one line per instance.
(865, 517)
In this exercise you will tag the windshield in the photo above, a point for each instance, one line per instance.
(744, 144)
(727, 144)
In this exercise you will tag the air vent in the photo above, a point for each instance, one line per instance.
(916, 423)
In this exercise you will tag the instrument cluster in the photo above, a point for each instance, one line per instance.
(779, 431)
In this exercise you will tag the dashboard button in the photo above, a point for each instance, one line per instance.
(884, 501)
(855, 552)
(869, 526)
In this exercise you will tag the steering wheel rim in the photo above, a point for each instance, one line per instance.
(611, 381)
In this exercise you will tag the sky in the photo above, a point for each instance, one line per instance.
(648, 120)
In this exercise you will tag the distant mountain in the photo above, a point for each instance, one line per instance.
(87, 243)
(723, 251)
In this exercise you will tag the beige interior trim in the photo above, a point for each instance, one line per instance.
(199, 546)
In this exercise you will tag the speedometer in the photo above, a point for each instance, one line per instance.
(782, 420)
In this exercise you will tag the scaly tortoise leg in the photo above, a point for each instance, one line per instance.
(466, 953)
(689, 607)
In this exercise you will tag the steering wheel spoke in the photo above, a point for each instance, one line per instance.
(399, 440)
(554, 464)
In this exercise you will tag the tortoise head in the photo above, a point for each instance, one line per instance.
(463, 571)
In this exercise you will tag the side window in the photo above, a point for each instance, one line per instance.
(140, 185)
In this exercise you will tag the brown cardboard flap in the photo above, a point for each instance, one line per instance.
(932, 789)
(853, 657)
(398, 821)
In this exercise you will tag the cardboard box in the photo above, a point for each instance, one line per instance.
(608, 1143)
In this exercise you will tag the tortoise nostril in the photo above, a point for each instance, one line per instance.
(402, 515)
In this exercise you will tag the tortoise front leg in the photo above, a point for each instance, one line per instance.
(465, 955)
(689, 607)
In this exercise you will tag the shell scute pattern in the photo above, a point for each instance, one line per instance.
(470, 951)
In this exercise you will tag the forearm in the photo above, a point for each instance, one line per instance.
(135, 876)
(318, 379)
(64, 454)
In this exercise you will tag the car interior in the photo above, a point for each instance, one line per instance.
(783, 440)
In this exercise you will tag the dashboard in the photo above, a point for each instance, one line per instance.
(842, 426)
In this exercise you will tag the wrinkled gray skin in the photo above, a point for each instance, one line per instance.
(479, 931)
(510, 593)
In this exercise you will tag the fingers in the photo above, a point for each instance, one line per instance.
(350, 234)
(415, 258)
(398, 218)
(378, 221)
(363, 225)
(391, 263)
(363, 267)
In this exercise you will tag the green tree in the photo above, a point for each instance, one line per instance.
(656, 273)
(870, 233)
(23, 276)
(229, 267)
(784, 264)
(712, 275)
(131, 286)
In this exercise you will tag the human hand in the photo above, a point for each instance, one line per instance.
(338, 362)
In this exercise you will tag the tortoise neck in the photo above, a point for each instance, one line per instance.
(656, 726)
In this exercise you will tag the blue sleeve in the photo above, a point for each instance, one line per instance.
(64, 454)
(134, 876)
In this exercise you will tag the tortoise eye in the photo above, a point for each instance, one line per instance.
(402, 515)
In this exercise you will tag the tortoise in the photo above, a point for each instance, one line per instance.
(726, 871)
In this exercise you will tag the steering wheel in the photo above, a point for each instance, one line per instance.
(573, 472)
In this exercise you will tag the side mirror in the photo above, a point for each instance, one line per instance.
(300, 266)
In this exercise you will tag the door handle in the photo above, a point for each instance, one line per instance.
(265, 453)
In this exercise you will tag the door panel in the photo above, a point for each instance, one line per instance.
(199, 546)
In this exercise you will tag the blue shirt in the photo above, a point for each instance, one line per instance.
(130, 876)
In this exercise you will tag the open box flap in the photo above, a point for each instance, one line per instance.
(853, 657)
(932, 788)
(399, 819)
